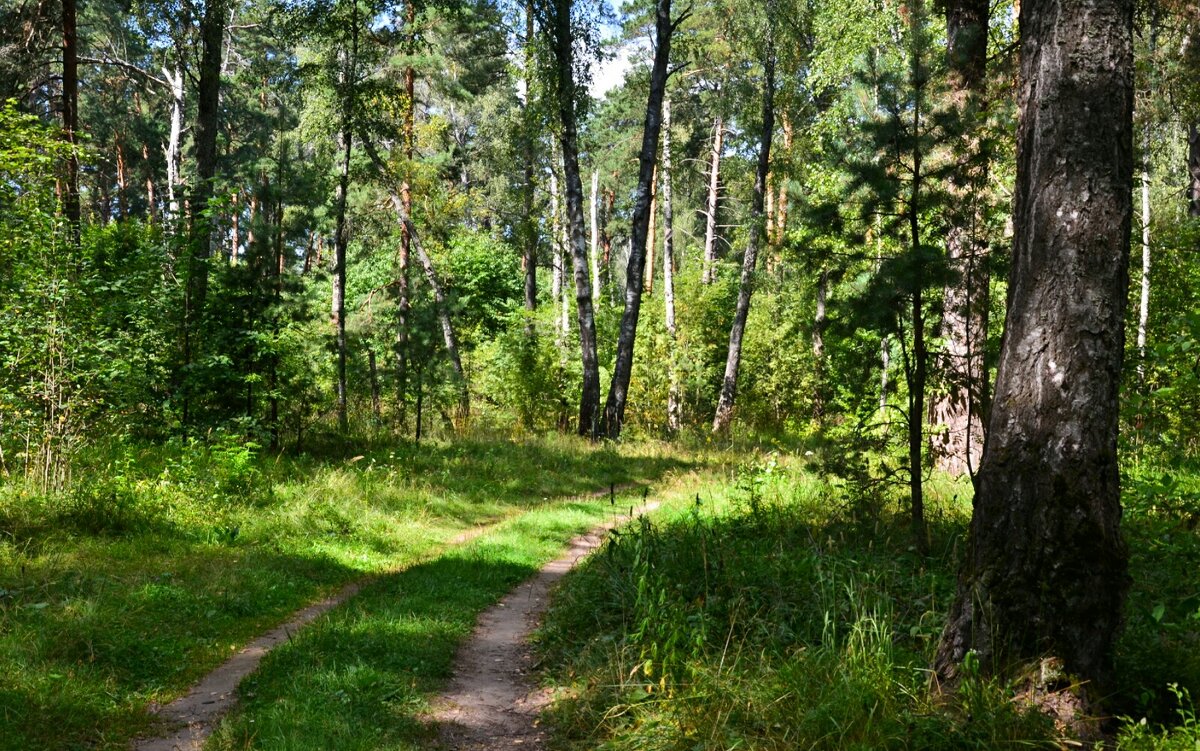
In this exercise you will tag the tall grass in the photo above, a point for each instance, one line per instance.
(782, 615)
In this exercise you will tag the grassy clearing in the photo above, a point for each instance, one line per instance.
(775, 615)
(154, 567)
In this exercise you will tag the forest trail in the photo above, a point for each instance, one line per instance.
(193, 716)
(492, 702)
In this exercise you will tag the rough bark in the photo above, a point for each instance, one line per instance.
(70, 115)
(1045, 571)
(557, 26)
(710, 212)
(733, 359)
(958, 442)
(643, 210)
(174, 139)
(651, 235)
(674, 389)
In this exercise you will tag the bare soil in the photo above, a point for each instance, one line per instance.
(191, 717)
(493, 702)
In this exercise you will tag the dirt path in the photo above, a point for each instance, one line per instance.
(492, 703)
(193, 715)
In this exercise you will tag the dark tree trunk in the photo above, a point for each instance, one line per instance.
(958, 443)
(529, 224)
(1194, 170)
(70, 115)
(557, 25)
(1045, 573)
(212, 36)
(733, 358)
(618, 391)
(403, 303)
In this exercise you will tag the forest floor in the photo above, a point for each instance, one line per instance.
(494, 702)
(120, 594)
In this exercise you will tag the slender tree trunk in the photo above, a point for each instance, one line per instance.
(559, 272)
(674, 390)
(643, 208)
(781, 208)
(403, 303)
(958, 442)
(174, 139)
(1045, 574)
(714, 190)
(589, 400)
(918, 373)
(442, 304)
(529, 256)
(724, 414)
(1144, 299)
(342, 238)
(594, 257)
(818, 344)
(70, 115)
(1193, 165)
(652, 235)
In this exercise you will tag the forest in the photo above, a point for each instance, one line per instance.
(862, 335)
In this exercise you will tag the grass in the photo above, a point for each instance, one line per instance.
(157, 565)
(776, 615)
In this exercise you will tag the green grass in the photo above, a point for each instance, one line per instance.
(159, 563)
(776, 615)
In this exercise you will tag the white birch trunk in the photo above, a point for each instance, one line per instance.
(594, 259)
(714, 187)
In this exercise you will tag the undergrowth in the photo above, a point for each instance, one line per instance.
(779, 615)
(161, 560)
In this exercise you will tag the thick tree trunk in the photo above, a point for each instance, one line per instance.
(1045, 573)
(958, 442)
(733, 359)
(674, 390)
(643, 209)
(710, 213)
(559, 272)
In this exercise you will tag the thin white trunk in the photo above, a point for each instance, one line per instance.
(714, 187)
(173, 152)
(674, 421)
(594, 259)
(556, 284)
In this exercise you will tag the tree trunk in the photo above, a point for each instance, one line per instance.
(403, 303)
(559, 272)
(958, 441)
(1046, 569)
(174, 139)
(563, 44)
(70, 115)
(674, 395)
(594, 258)
(342, 238)
(449, 338)
(733, 359)
(1194, 170)
(710, 214)
(643, 209)
(529, 256)
(651, 235)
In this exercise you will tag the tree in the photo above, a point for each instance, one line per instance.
(614, 408)
(563, 33)
(959, 411)
(1045, 571)
(724, 414)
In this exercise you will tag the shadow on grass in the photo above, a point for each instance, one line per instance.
(360, 677)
